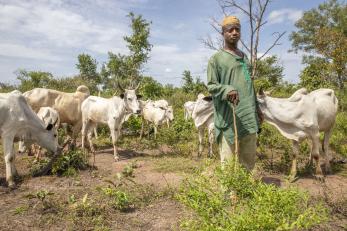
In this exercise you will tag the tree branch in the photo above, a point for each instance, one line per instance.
(274, 44)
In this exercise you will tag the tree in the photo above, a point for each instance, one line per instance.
(269, 72)
(31, 79)
(323, 31)
(150, 88)
(127, 68)
(254, 11)
(88, 68)
(188, 82)
(315, 74)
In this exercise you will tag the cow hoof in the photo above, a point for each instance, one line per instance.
(292, 178)
(12, 185)
(116, 158)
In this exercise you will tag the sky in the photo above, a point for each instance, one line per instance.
(48, 35)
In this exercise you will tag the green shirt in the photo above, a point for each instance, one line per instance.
(227, 72)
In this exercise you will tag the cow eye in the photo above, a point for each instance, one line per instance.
(55, 135)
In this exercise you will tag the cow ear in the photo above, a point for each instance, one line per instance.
(207, 98)
(49, 127)
(162, 108)
(139, 96)
(122, 95)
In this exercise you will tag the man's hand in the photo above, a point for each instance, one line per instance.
(233, 97)
(260, 115)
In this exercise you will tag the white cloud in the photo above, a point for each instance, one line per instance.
(20, 51)
(168, 70)
(284, 15)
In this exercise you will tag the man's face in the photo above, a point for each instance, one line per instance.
(232, 33)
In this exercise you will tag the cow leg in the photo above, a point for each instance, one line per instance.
(85, 129)
(325, 147)
(142, 127)
(75, 130)
(90, 138)
(293, 170)
(114, 135)
(315, 155)
(155, 131)
(201, 136)
(95, 132)
(7, 143)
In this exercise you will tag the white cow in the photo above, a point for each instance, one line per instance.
(113, 112)
(49, 116)
(188, 109)
(68, 105)
(17, 119)
(203, 118)
(157, 113)
(301, 116)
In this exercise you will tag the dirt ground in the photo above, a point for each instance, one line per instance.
(20, 212)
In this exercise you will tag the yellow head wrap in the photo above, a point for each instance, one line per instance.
(230, 20)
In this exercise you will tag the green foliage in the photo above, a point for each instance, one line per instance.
(314, 76)
(127, 68)
(189, 86)
(338, 139)
(88, 68)
(31, 79)
(269, 72)
(273, 144)
(120, 200)
(323, 30)
(69, 163)
(230, 199)
(150, 88)
(5, 87)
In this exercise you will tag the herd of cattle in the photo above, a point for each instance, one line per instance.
(34, 117)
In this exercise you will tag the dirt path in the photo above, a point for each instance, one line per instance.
(163, 213)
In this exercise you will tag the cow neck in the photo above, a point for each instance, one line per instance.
(282, 110)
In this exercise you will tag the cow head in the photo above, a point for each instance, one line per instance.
(169, 113)
(203, 105)
(131, 99)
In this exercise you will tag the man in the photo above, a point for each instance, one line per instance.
(230, 84)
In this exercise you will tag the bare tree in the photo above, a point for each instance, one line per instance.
(254, 10)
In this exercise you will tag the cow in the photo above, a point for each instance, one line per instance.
(157, 113)
(18, 120)
(113, 112)
(68, 105)
(202, 116)
(49, 116)
(188, 108)
(301, 116)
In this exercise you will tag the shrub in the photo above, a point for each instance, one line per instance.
(338, 139)
(120, 200)
(69, 163)
(230, 199)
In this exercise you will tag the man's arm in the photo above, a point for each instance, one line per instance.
(221, 91)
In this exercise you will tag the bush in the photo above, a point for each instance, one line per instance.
(69, 163)
(230, 199)
(120, 199)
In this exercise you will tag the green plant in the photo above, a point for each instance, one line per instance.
(41, 197)
(230, 199)
(119, 199)
(69, 163)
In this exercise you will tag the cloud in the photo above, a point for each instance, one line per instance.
(20, 51)
(284, 15)
(52, 25)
